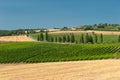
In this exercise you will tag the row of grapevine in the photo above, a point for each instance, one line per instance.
(50, 52)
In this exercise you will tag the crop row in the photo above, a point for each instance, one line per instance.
(50, 52)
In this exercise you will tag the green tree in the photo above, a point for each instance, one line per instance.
(68, 38)
(119, 38)
(96, 38)
(72, 38)
(51, 39)
(46, 35)
(64, 38)
(82, 38)
(41, 36)
(38, 38)
(101, 38)
(87, 38)
(60, 39)
(56, 39)
(88, 28)
(119, 28)
(91, 39)
(65, 28)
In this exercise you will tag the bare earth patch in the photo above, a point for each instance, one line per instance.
(76, 70)
(20, 38)
(88, 31)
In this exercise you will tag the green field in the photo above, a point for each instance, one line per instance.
(106, 38)
(34, 52)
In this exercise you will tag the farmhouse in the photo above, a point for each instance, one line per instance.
(37, 31)
(53, 30)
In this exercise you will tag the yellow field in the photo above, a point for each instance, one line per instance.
(21, 38)
(88, 31)
(76, 70)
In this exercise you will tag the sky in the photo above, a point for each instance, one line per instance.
(20, 14)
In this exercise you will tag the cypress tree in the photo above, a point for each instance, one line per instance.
(82, 38)
(38, 38)
(72, 38)
(46, 35)
(64, 38)
(119, 38)
(68, 38)
(52, 39)
(55, 39)
(41, 36)
(91, 39)
(96, 38)
(49, 38)
(101, 38)
(87, 38)
(60, 39)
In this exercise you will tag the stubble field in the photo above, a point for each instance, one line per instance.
(76, 70)
(88, 31)
(20, 38)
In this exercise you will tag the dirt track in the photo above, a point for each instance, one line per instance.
(89, 31)
(78, 70)
(20, 38)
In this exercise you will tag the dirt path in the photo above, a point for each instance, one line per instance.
(78, 70)
(20, 38)
(89, 31)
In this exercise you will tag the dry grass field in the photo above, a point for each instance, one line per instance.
(76, 70)
(21, 38)
(88, 31)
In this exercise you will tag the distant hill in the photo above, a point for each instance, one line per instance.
(102, 27)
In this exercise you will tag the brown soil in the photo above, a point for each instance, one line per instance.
(76, 70)
(89, 31)
(20, 38)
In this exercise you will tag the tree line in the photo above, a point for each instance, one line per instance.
(70, 38)
(102, 26)
(16, 32)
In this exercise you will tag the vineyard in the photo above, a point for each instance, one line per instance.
(33, 52)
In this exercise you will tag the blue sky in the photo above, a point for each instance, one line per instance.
(16, 14)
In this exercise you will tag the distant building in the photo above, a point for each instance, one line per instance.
(26, 32)
(37, 31)
(53, 30)
(73, 29)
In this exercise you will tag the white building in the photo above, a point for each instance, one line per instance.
(53, 30)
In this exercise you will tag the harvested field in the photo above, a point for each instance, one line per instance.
(89, 31)
(76, 70)
(20, 38)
